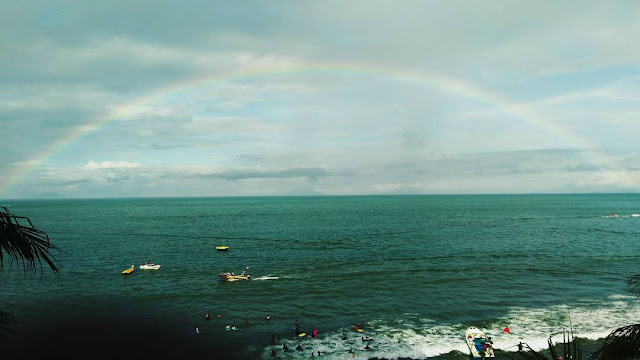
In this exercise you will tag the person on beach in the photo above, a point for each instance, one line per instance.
(520, 346)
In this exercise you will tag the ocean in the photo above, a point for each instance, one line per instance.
(413, 271)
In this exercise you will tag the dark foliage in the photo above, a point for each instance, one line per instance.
(620, 344)
(22, 243)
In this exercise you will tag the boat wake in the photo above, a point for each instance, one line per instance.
(267, 277)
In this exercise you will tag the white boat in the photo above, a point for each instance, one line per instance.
(149, 266)
(480, 345)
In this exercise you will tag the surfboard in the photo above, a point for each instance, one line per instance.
(302, 334)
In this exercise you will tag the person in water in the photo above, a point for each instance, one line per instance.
(219, 315)
(207, 316)
(268, 318)
(285, 347)
(299, 348)
(506, 330)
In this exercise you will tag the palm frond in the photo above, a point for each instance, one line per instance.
(621, 344)
(634, 285)
(8, 325)
(527, 353)
(24, 244)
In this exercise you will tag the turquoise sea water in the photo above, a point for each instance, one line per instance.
(413, 271)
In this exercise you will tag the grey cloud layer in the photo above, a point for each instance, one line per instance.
(320, 131)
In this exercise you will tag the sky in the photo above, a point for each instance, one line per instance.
(268, 98)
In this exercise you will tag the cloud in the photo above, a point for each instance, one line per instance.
(309, 173)
(513, 97)
(92, 165)
(583, 166)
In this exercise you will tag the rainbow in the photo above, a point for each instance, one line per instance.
(440, 82)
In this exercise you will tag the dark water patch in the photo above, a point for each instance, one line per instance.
(71, 333)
